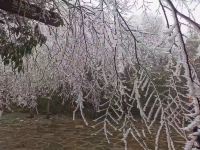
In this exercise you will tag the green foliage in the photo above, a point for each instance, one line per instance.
(19, 42)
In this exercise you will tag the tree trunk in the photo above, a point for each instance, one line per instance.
(1, 112)
(48, 109)
(31, 11)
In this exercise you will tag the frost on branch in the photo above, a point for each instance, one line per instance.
(127, 73)
(80, 106)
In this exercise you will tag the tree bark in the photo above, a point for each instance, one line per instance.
(31, 11)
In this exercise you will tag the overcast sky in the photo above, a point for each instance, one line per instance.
(154, 9)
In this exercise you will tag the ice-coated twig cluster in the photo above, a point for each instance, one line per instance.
(128, 71)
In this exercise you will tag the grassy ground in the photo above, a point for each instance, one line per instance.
(57, 133)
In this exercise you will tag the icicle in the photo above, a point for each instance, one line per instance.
(125, 135)
(80, 106)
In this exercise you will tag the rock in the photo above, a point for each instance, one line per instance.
(54, 146)
(79, 126)
(30, 116)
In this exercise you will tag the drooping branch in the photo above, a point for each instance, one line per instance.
(181, 38)
(135, 40)
(165, 14)
(188, 19)
(31, 11)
